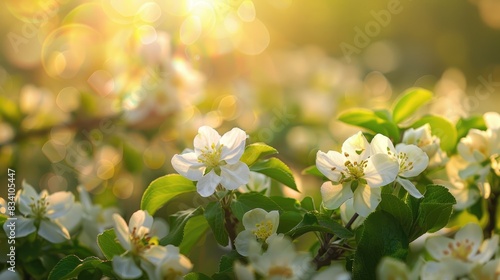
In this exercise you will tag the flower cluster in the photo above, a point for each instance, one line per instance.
(359, 172)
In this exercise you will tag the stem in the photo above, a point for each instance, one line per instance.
(330, 251)
(230, 221)
(492, 211)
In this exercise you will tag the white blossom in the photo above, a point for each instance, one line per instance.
(356, 173)
(215, 160)
(259, 226)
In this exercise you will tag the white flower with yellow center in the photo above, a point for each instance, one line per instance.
(135, 239)
(356, 173)
(166, 263)
(280, 261)
(461, 254)
(411, 159)
(259, 226)
(40, 213)
(214, 161)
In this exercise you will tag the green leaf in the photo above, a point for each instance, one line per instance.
(398, 209)
(433, 210)
(308, 203)
(313, 170)
(248, 201)
(311, 222)
(227, 261)
(363, 118)
(177, 223)
(215, 217)
(286, 203)
(71, 266)
(409, 102)
(109, 244)
(196, 276)
(256, 151)
(382, 235)
(465, 124)
(442, 128)
(194, 230)
(370, 120)
(288, 220)
(277, 170)
(163, 189)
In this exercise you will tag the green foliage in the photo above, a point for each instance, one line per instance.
(442, 128)
(108, 243)
(194, 230)
(409, 102)
(248, 201)
(256, 151)
(432, 212)
(215, 217)
(382, 235)
(398, 209)
(311, 222)
(163, 189)
(277, 170)
(196, 276)
(177, 223)
(465, 124)
(71, 267)
(371, 120)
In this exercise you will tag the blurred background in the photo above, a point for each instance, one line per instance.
(103, 93)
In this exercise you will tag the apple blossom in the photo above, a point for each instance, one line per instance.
(214, 161)
(259, 225)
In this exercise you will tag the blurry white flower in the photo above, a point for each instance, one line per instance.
(355, 168)
(40, 213)
(333, 272)
(422, 138)
(243, 272)
(215, 160)
(166, 263)
(259, 226)
(94, 219)
(489, 271)
(461, 254)
(135, 239)
(412, 161)
(439, 271)
(464, 194)
(258, 183)
(10, 275)
(280, 261)
(390, 268)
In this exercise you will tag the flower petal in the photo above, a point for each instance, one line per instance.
(205, 138)
(487, 250)
(409, 187)
(334, 195)
(72, 218)
(436, 271)
(274, 217)
(207, 184)
(416, 156)
(357, 147)
(366, 199)
(347, 211)
(122, 231)
(235, 175)
(233, 145)
(437, 245)
(492, 120)
(472, 234)
(188, 166)
(382, 144)
(254, 217)
(25, 197)
(242, 242)
(24, 226)
(331, 164)
(141, 221)
(380, 170)
(53, 232)
(126, 268)
(59, 203)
